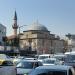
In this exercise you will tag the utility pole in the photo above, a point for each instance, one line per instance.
(19, 35)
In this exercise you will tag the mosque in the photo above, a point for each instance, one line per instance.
(37, 38)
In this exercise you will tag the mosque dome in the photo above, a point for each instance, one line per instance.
(37, 26)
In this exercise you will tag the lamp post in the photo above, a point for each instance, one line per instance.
(19, 35)
(21, 27)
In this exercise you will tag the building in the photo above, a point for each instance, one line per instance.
(38, 39)
(2, 33)
(71, 41)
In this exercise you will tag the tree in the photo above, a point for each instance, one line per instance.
(16, 41)
(4, 39)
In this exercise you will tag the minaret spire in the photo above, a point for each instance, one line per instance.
(15, 26)
(15, 16)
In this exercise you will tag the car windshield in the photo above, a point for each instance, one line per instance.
(70, 58)
(43, 57)
(49, 61)
(60, 58)
(27, 65)
(48, 72)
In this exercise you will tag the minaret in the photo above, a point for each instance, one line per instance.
(15, 26)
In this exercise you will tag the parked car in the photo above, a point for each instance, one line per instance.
(60, 57)
(53, 70)
(16, 60)
(25, 66)
(7, 63)
(44, 56)
(4, 57)
(28, 58)
(8, 68)
(51, 61)
(70, 60)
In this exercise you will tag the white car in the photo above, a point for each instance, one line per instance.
(51, 61)
(44, 56)
(16, 60)
(30, 58)
(60, 57)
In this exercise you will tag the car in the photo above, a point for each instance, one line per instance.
(7, 68)
(70, 52)
(44, 56)
(53, 70)
(7, 63)
(16, 60)
(70, 60)
(60, 57)
(25, 66)
(4, 57)
(29, 58)
(51, 61)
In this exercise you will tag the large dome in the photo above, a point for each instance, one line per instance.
(37, 26)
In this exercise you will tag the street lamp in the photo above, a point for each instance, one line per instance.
(21, 27)
(19, 34)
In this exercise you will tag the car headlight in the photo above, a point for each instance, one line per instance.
(26, 74)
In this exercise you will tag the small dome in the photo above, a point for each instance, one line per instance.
(37, 26)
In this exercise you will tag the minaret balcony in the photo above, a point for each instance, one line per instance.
(15, 27)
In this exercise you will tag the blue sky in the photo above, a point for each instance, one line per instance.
(57, 15)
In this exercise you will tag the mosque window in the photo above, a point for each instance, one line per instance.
(37, 32)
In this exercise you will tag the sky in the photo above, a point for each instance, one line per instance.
(57, 15)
